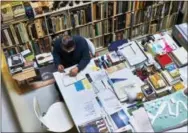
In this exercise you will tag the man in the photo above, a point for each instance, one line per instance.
(69, 51)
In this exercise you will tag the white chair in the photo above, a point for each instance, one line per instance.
(91, 47)
(56, 118)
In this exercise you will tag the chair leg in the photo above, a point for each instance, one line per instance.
(59, 93)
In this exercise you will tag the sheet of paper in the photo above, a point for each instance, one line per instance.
(67, 80)
(86, 84)
(142, 120)
(84, 107)
(79, 86)
(183, 74)
(133, 54)
(157, 36)
(109, 101)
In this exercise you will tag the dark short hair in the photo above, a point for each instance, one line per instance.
(67, 43)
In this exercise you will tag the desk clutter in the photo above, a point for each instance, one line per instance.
(118, 94)
(31, 72)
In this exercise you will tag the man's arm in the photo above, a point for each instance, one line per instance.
(85, 58)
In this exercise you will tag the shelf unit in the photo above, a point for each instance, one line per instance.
(111, 13)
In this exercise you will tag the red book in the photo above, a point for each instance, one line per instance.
(164, 60)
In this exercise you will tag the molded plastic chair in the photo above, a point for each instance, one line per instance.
(56, 118)
(91, 47)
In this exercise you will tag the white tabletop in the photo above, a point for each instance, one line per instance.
(75, 99)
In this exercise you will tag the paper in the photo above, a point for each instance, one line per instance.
(157, 36)
(95, 126)
(142, 121)
(183, 74)
(120, 119)
(67, 80)
(109, 101)
(84, 107)
(133, 83)
(168, 112)
(181, 55)
(86, 84)
(133, 54)
(79, 86)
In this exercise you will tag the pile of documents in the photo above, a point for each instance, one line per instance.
(132, 53)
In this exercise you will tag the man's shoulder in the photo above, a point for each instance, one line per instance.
(77, 37)
(57, 42)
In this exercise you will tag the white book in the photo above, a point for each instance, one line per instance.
(181, 55)
(8, 37)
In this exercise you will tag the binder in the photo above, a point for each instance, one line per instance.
(10, 43)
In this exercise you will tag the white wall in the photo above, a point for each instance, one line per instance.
(9, 122)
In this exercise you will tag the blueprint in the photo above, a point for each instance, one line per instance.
(168, 112)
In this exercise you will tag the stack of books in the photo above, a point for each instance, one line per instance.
(170, 80)
(173, 70)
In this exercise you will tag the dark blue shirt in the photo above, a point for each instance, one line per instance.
(79, 56)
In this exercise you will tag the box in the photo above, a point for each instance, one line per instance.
(180, 33)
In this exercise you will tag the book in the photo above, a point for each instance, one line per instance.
(14, 34)
(128, 20)
(18, 8)
(94, 16)
(6, 12)
(7, 35)
(180, 56)
(178, 86)
(169, 78)
(39, 28)
(163, 60)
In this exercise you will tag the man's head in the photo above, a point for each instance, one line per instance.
(67, 43)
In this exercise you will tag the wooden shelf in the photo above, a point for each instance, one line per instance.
(93, 22)
(122, 29)
(138, 24)
(62, 9)
(100, 49)
(79, 26)
(121, 14)
(97, 36)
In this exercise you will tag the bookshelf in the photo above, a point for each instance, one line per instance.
(99, 21)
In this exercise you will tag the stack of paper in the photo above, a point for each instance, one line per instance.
(140, 121)
(133, 54)
(184, 75)
(169, 78)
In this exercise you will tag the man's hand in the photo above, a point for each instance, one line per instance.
(74, 71)
(60, 68)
